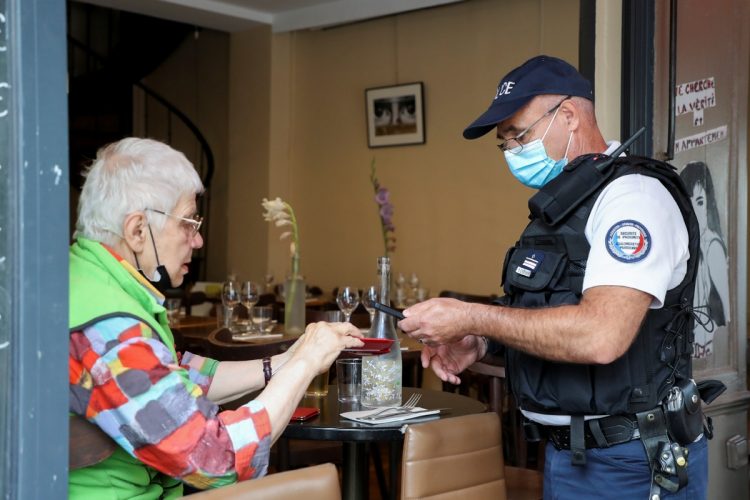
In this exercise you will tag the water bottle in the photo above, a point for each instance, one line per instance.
(381, 375)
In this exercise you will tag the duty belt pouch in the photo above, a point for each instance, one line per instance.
(682, 411)
(668, 461)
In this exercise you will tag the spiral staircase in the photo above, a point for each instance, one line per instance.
(110, 52)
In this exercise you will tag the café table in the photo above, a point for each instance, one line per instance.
(223, 348)
(355, 436)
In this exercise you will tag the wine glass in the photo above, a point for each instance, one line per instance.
(230, 297)
(347, 300)
(249, 295)
(369, 297)
(268, 282)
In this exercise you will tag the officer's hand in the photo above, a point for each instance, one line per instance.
(437, 321)
(447, 361)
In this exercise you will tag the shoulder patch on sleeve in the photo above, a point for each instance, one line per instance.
(628, 241)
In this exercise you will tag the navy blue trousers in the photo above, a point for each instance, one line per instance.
(620, 472)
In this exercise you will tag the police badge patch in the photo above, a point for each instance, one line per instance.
(628, 241)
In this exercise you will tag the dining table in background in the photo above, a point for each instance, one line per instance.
(202, 335)
(222, 347)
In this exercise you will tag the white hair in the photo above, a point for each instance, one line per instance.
(127, 176)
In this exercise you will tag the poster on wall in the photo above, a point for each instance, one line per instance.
(711, 299)
(395, 115)
(706, 180)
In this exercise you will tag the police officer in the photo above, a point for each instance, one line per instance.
(596, 321)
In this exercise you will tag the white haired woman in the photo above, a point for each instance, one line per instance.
(135, 234)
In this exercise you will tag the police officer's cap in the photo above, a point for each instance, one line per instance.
(539, 75)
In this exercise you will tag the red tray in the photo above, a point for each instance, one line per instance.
(372, 346)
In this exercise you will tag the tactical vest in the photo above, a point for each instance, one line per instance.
(661, 352)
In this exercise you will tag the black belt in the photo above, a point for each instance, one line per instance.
(598, 433)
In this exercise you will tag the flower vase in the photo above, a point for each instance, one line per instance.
(294, 305)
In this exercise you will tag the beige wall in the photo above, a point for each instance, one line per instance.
(457, 209)
(195, 78)
(249, 116)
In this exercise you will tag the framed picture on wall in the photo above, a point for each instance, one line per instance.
(395, 115)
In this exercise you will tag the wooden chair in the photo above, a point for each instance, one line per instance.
(516, 450)
(461, 457)
(88, 444)
(311, 483)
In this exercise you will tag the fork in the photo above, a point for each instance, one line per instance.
(410, 403)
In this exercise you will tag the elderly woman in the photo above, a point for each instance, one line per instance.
(136, 231)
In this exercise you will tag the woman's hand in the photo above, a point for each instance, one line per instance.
(322, 342)
(310, 355)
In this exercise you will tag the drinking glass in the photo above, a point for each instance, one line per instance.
(319, 386)
(261, 317)
(349, 379)
(249, 295)
(230, 297)
(347, 300)
(173, 311)
(369, 297)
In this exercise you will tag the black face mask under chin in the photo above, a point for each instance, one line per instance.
(160, 280)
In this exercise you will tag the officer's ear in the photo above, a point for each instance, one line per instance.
(571, 114)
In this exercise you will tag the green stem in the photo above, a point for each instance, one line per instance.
(291, 293)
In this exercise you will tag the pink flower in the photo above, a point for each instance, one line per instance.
(385, 211)
(382, 196)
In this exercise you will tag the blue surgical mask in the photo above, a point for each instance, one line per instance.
(532, 166)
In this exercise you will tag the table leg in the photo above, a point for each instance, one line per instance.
(393, 468)
(355, 473)
(282, 449)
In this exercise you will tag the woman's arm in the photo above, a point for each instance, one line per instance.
(234, 379)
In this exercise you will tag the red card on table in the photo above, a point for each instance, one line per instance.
(372, 346)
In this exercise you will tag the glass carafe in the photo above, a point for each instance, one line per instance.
(381, 375)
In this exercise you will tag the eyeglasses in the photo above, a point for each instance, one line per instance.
(514, 144)
(191, 225)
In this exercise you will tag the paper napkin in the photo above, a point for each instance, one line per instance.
(358, 416)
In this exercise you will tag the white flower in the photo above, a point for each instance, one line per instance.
(274, 209)
(281, 214)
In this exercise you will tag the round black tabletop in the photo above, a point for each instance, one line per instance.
(331, 426)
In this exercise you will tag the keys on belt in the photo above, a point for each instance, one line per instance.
(598, 433)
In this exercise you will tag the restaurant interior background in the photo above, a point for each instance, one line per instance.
(284, 114)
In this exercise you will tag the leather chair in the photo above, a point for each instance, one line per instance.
(459, 458)
(451, 458)
(320, 482)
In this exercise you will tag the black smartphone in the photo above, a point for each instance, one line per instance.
(388, 310)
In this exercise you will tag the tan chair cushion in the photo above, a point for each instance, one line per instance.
(454, 458)
(320, 482)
